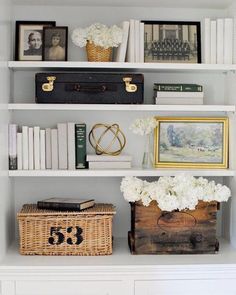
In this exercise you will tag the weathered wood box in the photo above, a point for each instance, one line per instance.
(178, 232)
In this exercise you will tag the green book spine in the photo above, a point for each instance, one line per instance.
(178, 87)
(80, 146)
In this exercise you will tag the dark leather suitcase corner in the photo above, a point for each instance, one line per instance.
(89, 88)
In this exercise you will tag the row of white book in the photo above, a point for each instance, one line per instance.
(109, 161)
(218, 41)
(32, 148)
(132, 47)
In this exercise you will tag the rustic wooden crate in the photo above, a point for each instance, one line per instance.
(178, 232)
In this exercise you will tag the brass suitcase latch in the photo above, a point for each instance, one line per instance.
(128, 86)
(47, 87)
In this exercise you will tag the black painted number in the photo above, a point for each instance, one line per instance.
(57, 237)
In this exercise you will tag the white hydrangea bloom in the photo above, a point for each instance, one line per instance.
(174, 193)
(99, 34)
(79, 37)
(143, 126)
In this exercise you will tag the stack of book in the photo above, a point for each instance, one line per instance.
(177, 94)
(132, 47)
(218, 39)
(32, 148)
(109, 162)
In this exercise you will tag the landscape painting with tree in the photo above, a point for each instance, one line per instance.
(193, 142)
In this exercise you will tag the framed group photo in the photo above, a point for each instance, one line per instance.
(172, 42)
(29, 39)
(55, 43)
(191, 143)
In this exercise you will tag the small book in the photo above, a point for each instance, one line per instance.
(19, 151)
(122, 49)
(179, 94)
(64, 204)
(177, 87)
(207, 41)
(228, 41)
(213, 42)
(62, 146)
(179, 101)
(109, 165)
(25, 147)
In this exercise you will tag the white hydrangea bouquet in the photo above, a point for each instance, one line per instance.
(98, 39)
(145, 127)
(181, 192)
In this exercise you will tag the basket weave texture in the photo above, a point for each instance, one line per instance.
(50, 232)
(98, 53)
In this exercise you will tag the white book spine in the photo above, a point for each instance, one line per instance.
(136, 39)
(19, 151)
(36, 148)
(228, 41)
(141, 42)
(62, 145)
(25, 145)
(178, 94)
(54, 142)
(12, 146)
(71, 146)
(122, 49)
(220, 41)
(31, 148)
(207, 40)
(42, 150)
(131, 42)
(109, 165)
(48, 149)
(213, 42)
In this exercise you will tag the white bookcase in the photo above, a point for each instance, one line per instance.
(120, 273)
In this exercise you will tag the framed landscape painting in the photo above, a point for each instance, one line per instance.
(172, 42)
(191, 143)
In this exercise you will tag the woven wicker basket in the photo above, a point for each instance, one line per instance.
(98, 53)
(46, 232)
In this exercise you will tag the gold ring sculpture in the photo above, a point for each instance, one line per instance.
(118, 135)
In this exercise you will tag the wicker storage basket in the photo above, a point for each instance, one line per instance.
(50, 232)
(98, 53)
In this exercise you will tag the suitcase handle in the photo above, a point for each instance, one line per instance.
(91, 88)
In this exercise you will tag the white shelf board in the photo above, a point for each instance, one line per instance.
(35, 65)
(126, 3)
(120, 172)
(120, 107)
(121, 259)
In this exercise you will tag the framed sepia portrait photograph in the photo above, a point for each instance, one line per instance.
(172, 42)
(191, 143)
(29, 39)
(55, 44)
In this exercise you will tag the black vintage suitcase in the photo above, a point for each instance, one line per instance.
(87, 88)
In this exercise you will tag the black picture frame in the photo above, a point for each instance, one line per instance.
(172, 41)
(24, 30)
(55, 43)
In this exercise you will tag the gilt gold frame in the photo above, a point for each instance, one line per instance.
(170, 151)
